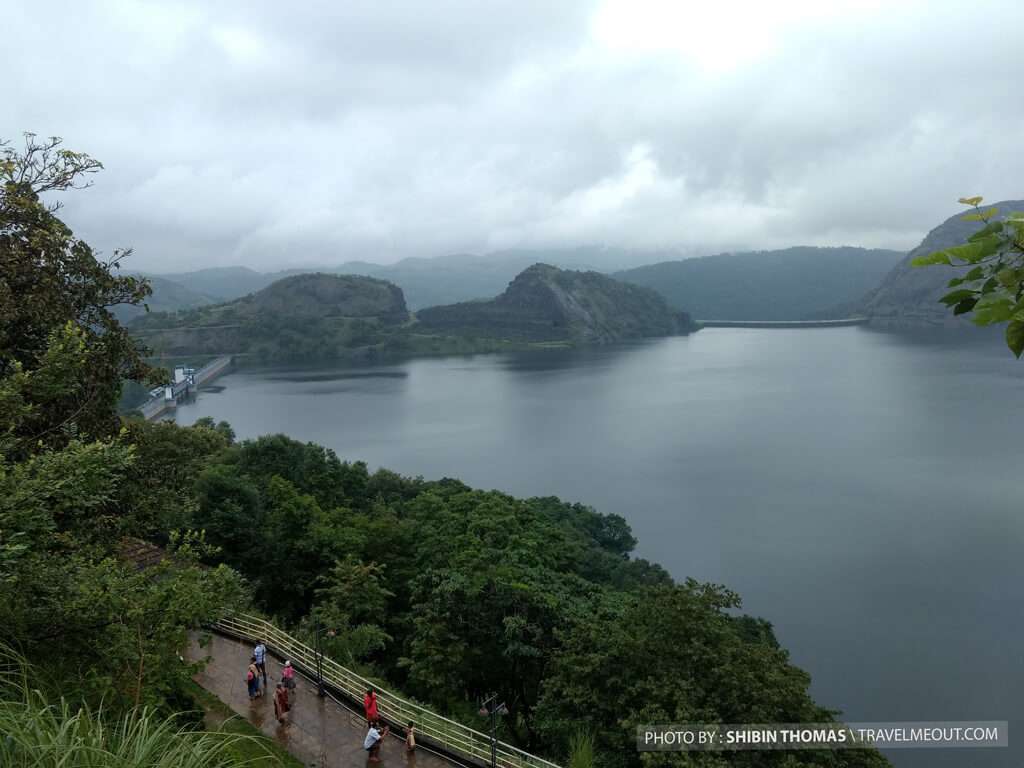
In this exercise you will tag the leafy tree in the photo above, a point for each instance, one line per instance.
(104, 629)
(352, 604)
(49, 279)
(992, 290)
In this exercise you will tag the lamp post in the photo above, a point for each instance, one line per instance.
(490, 708)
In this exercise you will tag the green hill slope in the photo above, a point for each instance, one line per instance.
(789, 284)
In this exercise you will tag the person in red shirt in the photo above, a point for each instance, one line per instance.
(370, 707)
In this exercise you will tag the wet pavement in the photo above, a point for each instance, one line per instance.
(320, 732)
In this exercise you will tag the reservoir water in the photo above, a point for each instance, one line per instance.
(862, 491)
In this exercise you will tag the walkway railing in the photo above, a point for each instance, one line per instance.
(454, 738)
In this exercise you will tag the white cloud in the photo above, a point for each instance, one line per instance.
(271, 134)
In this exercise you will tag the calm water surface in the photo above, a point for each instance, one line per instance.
(862, 491)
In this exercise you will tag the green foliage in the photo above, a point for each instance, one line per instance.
(73, 482)
(452, 594)
(993, 290)
(54, 301)
(42, 734)
(581, 750)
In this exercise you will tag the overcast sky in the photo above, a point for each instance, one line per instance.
(289, 134)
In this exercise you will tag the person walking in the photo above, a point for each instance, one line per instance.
(370, 707)
(260, 654)
(281, 705)
(410, 737)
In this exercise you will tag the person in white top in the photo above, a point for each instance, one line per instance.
(373, 741)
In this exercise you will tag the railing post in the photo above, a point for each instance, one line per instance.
(319, 664)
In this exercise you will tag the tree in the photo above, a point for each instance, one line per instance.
(992, 290)
(106, 630)
(50, 279)
(352, 604)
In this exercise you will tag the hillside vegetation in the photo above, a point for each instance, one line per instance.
(789, 284)
(544, 303)
(349, 317)
(908, 298)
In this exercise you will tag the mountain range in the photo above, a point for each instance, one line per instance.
(329, 317)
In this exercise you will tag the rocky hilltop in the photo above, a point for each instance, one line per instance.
(908, 296)
(544, 303)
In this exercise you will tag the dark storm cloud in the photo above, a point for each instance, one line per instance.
(279, 134)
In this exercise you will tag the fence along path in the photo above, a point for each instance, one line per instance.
(452, 737)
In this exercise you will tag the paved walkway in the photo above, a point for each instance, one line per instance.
(320, 733)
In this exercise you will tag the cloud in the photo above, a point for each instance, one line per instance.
(279, 135)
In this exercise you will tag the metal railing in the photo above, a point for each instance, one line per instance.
(452, 737)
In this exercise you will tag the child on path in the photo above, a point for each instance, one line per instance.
(410, 737)
(288, 677)
(252, 679)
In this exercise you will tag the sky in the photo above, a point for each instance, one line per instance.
(278, 135)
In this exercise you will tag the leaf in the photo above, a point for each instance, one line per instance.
(973, 252)
(993, 310)
(981, 215)
(964, 306)
(1015, 337)
(938, 257)
(955, 297)
(971, 200)
(992, 228)
(990, 285)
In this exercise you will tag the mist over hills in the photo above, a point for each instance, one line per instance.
(428, 281)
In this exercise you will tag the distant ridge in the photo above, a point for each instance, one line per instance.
(790, 284)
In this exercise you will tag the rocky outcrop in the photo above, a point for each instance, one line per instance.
(544, 303)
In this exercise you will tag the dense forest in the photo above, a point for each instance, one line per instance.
(444, 591)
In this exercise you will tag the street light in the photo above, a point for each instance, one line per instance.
(490, 708)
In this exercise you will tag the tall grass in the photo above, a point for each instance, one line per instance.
(581, 750)
(35, 733)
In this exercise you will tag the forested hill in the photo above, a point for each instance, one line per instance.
(789, 284)
(545, 303)
(308, 316)
(908, 297)
(311, 317)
